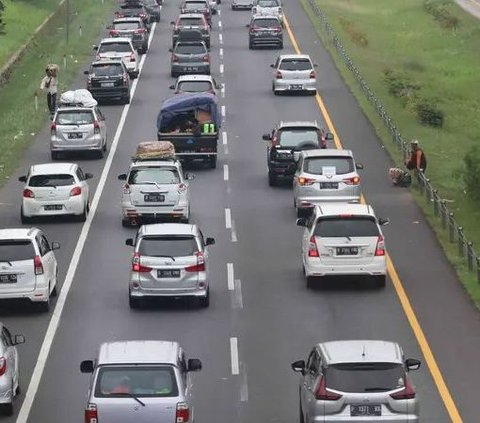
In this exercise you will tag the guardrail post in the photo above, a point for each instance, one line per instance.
(461, 242)
(451, 227)
(469, 256)
(443, 214)
(478, 269)
(428, 190)
(435, 202)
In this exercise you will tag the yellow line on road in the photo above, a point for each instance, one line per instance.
(397, 283)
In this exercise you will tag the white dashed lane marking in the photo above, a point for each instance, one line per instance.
(234, 356)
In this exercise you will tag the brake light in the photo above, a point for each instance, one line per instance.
(278, 75)
(125, 79)
(140, 31)
(113, 33)
(312, 247)
(355, 180)
(182, 414)
(132, 58)
(89, 81)
(126, 189)
(37, 265)
(3, 365)
(53, 129)
(200, 266)
(75, 191)
(206, 58)
(312, 75)
(91, 415)
(174, 58)
(274, 140)
(380, 248)
(142, 15)
(277, 29)
(408, 392)
(119, 15)
(28, 193)
(96, 127)
(305, 181)
(182, 187)
(321, 392)
(137, 266)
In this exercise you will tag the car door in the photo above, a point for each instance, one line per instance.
(48, 259)
(312, 369)
(83, 184)
(11, 354)
(102, 123)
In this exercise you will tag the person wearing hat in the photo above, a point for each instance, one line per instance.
(49, 85)
(416, 158)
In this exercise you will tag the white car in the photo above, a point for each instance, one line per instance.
(28, 267)
(195, 84)
(155, 190)
(119, 48)
(55, 189)
(268, 8)
(343, 240)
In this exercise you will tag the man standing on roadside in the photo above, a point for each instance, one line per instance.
(416, 158)
(49, 84)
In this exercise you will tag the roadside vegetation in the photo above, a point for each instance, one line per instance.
(421, 59)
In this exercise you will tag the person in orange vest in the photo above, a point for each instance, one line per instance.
(417, 160)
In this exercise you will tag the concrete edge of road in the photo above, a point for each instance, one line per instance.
(397, 283)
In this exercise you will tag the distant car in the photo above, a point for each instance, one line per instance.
(242, 4)
(190, 58)
(357, 381)
(195, 84)
(343, 240)
(153, 9)
(9, 368)
(294, 73)
(191, 21)
(28, 268)
(133, 28)
(119, 48)
(170, 260)
(55, 189)
(268, 8)
(109, 80)
(286, 141)
(78, 128)
(134, 8)
(197, 6)
(265, 31)
(325, 176)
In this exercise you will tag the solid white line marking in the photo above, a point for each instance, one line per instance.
(244, 385)
(222, 68)
(221, 52)
(77, 253)
(228, 218)
(220, 24)
(224, 111)
(225, 172)
(224, 137)
(220, 38)
(238, 293)
(230, 279)
(234, 356)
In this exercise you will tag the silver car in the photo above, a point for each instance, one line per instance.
(357, 381)
(191, 21)
(76, 129)
(242, 4)
(170, 260)
(140, 382)
(325, 175)
(190, 57)
(195, 84)
(294, 73)
(9, 379)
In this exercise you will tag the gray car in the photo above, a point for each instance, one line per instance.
(265, 31)
(294, 73)
(141, 382)
(133, 28)
(170, 260)
(190, 57)
(358, 380)
(191, 21)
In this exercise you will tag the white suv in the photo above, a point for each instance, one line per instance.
(342, 240)
(28, 267)
(119, 48)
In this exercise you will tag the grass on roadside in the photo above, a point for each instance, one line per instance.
(443, 63)
(19, 121)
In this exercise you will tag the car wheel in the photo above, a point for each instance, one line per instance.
(126, 99)
(280, 46)
(134, 302)
(54, 155)
(24, 219)
(301, 419)
(8, 407)
(100, 153)
(44, 306)
(311, 282)
(205, 301)
(272, 180)
(83, 217)
(212, 162)
(380, 281)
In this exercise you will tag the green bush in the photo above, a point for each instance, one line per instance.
(471, 171)
(439, 11)
(428, 113)
(400, 84)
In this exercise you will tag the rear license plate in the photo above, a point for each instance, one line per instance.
(168, 273)
(365, 410)
(107, 84)
(75, 135)
(347, 251)
(53, 207)
(154, 198)
(328, 185)
(11, 278)
(296, 87)
(192, 68)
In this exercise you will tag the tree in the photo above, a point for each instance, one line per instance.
(2, 24)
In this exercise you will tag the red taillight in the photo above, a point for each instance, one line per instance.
(142, 15)
(140, 31)
(125, 79)
(312, 248)
(278, 75)
(174, 58)
(137, 266)
(3, 365)
(274, 141)
(406, 393)
(200, 266)
(182, 187)
(126, 189)
(321, 392)
(305, 181)
(89, 81)
(380, 248)
(53, 129)
(355, 180)
(113, 33)
(206, 58)
(91, 415)
(96, 127)
(132, 58)
(37, 265)
(75, 191)
(28, 193)
(312, 75)
(277, 29)
(182, 414)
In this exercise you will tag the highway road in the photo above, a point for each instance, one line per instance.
(261, 317)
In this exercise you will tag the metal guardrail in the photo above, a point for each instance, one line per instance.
(439, 205)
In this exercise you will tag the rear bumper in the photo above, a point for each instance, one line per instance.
(5, 390)
(32, 207)
(130, 212)
(289, 84)
(190, 68)
(376, 267)
(344, 419)
(266, 41)
(38, 295)
(59, 145)
(100, 93)
(171, 292)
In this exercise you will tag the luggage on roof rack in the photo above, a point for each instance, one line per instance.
(77, 98)
(155, 150)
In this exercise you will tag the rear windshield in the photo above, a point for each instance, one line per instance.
(153, 175)
(126, 26)
(191, 22)
(175, 246)
(266, 23)
(195, 86)
(293, 137)
(16, 250)
(54, 180)
(190, 49)
(355, 226)
(131, 6)
(365, 377)
(141, 381)
(196, 5)
(74, 117)
(115, 47)
(107, 70)
(295, 65)
(317, 165)
(267, 3)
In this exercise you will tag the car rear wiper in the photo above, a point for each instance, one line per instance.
(170, 257)
(6, 261)
(126, 394)
(149, 183)
(377, 389)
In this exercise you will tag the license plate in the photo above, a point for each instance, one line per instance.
(75, 135)
(328, 185)
(296, 87)
(168, 273)
(347, 251)
(107, 84)
(8, 278)
(192, 68)
(154, 198)
(53, 207)
(365, 410)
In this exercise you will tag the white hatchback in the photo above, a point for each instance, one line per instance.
(343, 240)
(54, 189)
(119, 48)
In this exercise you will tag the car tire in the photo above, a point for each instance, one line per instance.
(311, 282)
(105, 148)
(54, 155)
(100, 153)
(173, 74)
(44, 306)
(380, 281)
(212, 162)
(24, 219)
(251, 46)
(126, 99)
(205, 301)
(134, 303)
(126, 223)
(272, 180)
(83, 217)
(8, 407)
(280, 46)
(301, 418)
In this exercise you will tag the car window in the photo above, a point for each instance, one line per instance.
(355, 226)
(295, 65)
(266, 23)
(74, 117)
(131, 6)
(191, 22)
(53, 180)
(154, 174)
(196, 4)
(267, 3)
(80, 175)
(115, 47)
(16, 250)
(313, 363)
(141, 381)
(43, 245)
(6, 337)
(126, 26)
(365, 377)
(293, 137)
(195, 86)
(190, 49)
(316, 165)
(107, 69)
(168, 245)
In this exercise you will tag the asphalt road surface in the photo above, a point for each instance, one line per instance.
(262, 317)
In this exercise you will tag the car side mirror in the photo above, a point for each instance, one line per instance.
(172, 87)
(170, 50)
(247, 26)
(122, 177)
(412, 364)
(194, 365)
(189, 176)
(210, 241)
(86, 72)
(272, 66)
(55, 245)
(18, 339)
(86, 366)
(298, 366)
(94, 47)
(129, 242)
(383, 221)
(109, 27)
(359, 166)
(172, 23)
(88, 175)
(301, 222)
(329, 136)
(266, 137)
(315, 65)
(23, 179)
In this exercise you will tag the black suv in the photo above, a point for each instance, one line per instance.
(109, 80)
(286, 140)
(134, 8)
(265, 31)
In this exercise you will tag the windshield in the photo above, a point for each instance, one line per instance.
(365, 377)
(158, 175)
(267, 3)
(293, 137)
(195, 86)
(74, 118)
(316, 165)
(16, 250)
(126, 26)
(140, 381)
(343, 227)
(195, 5)
(167, 245)
(115, 48)
(54, 180)
(266, 23)
(190, 49)
(191, 22)
(107, 70)
(295, 65)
